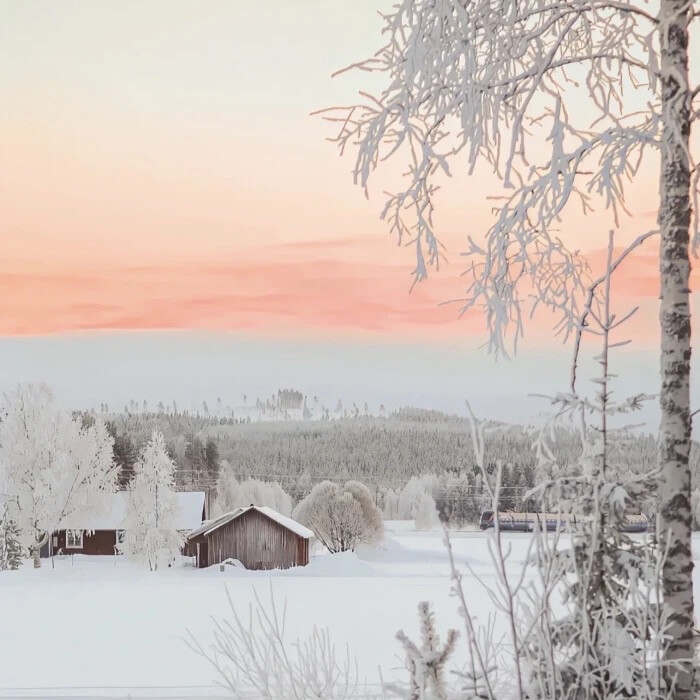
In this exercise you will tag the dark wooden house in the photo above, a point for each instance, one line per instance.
(257, 536)
(103, 533)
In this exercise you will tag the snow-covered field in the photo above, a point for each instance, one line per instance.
(94, 627)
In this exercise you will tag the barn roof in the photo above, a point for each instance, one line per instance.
(297, 528)
(189, 515)
(208, 525)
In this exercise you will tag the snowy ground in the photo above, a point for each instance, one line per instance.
(100, 628)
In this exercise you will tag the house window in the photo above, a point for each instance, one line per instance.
(74, 539)
(120, 536)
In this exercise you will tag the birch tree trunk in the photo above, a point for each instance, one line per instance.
(674, 435)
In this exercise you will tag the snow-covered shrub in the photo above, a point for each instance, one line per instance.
(426, 516)
(151, 534)
(254, 658)
(341, 516)
(55, 467)
(232, 494)
(371, 515)
(412, 493)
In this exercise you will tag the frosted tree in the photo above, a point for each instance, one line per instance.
(55, 468)
(341, 517)
(412, 495)
(371, 514)
(426, 664)
(391, 505)
(603, 643)
(226, 488)
(501, 84)
(426, 517)
(232, 494)
(150, 525)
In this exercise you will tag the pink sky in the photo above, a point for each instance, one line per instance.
(160, 170)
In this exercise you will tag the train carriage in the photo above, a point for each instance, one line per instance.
(513, 521)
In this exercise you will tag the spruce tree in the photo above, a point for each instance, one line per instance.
(426, 665)
(13, 552)
(3, 554)
(10, 547)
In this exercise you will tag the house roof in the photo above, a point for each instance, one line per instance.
(111, 517)
(208, 527)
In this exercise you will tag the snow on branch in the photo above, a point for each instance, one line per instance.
(493, 82)
(253, 656)
(426, 664)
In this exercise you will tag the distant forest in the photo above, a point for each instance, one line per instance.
(384, 452)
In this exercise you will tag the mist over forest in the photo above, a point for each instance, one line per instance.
(295, 441)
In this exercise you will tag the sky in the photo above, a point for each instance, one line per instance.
(167, 197)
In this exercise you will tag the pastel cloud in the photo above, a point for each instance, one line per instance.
(168, 175)
(286, 293)
(333, 288)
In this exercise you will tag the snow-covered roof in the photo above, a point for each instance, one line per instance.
(297, 528)
(191, 506)
(289, 523)
(209, 525)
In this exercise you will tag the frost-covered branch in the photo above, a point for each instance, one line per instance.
(582, 324)
(482, 80)
(613, 638)
(253, 655)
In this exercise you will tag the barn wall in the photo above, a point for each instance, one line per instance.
(258, 543)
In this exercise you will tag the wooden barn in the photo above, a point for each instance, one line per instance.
(257, 536)
(102, 534)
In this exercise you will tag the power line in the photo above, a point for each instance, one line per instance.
(205, 477)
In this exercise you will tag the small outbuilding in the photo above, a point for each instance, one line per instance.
(257, 536)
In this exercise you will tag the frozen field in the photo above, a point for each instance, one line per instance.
(96, 629)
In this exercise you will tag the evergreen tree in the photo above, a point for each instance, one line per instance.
(211, 455)
(12, 547)
(124, 453)
(426, 663)
(3, 554)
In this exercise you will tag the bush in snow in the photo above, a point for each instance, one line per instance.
(232, 494)
(54, 467)
(151, 535)
(412, 494)
(371, 515)
(341, 516)
(254, 658)
(426, 516)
